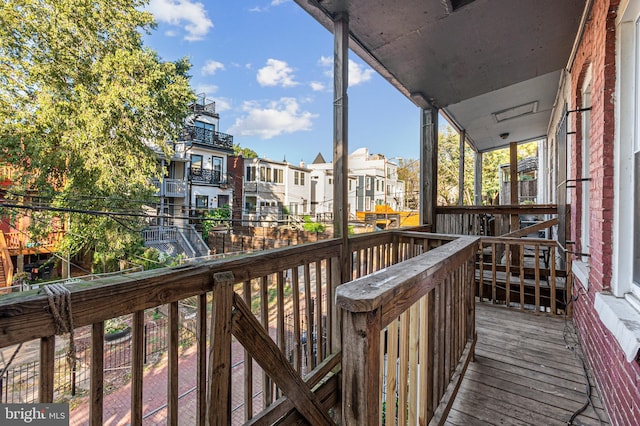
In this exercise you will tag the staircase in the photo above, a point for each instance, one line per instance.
(173, 241)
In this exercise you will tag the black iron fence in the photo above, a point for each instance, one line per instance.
(19, 384)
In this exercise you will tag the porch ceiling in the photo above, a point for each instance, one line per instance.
(472, 58)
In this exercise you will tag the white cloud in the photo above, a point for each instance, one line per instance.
(210, 67)
(358, 74)
(276, 73)
(273, 3)
(188, 14)
(274, 119)
(223, 104)
(208, 89)
(317, 86)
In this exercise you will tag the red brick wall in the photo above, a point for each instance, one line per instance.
(618, 379)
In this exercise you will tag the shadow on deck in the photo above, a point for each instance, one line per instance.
(527, 370)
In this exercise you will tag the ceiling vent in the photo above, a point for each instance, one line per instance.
(508, 114)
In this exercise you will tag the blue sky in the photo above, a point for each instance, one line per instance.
(268, 66)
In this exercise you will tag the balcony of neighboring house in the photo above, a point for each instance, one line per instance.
(21, 243)
(201, 176)
(176, 188)
(207, 137)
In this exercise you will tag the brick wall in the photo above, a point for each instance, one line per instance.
(618, 379)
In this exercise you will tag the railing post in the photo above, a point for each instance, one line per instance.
(360, 367)
(219, 391)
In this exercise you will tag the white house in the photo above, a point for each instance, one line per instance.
(272, 189)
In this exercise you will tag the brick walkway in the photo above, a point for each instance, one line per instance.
(117, 404)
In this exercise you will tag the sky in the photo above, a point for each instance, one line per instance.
(269, 67)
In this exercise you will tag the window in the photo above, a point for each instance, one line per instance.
(302, 178)
(217, 169)
(202, 201)
(298, 178)
(251, 173)
(204, 131)
(196, 164)
(278, 175)
(265, 174)
(368, 183)
(250, 204)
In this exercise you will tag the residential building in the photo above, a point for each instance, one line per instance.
(378, 182)
(196, 180)
(322, 181)
(273, 189)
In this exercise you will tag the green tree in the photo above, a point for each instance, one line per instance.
(409, 173)
(81, 103)
(491, 162)
(215, 217)
(448, 169)
(245, 152)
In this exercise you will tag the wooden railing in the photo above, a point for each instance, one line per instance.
(488, 220)
(21, 242)
(5, 259)
(291, 291)
(410, 305)
(408, 335)
(524, 273)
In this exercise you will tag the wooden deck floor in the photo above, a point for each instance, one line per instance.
(524, 374)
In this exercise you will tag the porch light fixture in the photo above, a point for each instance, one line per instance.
(514, 112)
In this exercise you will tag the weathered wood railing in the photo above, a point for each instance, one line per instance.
(408, 335)
(524, 273)
(488, 220)
(294, 284)
(20, 242)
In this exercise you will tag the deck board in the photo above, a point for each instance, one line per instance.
(523, 373)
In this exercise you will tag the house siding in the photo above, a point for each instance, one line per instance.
(618, 379)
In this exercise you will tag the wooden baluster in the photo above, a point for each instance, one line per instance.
(47, 369)
(267, 386)
(361, 396)
(172, 356)
(96, 387)
(521, 253)
(392, 371)
(319, 304)
(536, 263)
(201, 360)
(494, 262)
(552, 265)
(404, 368)
(219, 392)
(309, 317)
(507, 254)
(414, 335)
(295, 288)
(137, 367)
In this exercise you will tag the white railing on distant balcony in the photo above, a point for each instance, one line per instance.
(172, 188)
(160, 234)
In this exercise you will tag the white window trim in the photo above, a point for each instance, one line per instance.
(619, 311)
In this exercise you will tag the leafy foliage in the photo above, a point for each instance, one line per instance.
(216, 217)
(245, 152)
(311, 226)
(82, 104)
(491, 162)
(448, 166)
